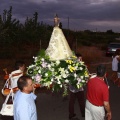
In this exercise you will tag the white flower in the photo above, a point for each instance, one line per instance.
(32, 77)
(69, 66)
(49, 66)
(81, 77)
(46, 84)
(52, 64)
(50, 83)
(35, 58)
(66, 81)
(31, 66)
(79, 86)
(57, 62)
(83, 80)
(64, 75)
(66, 71)
(61, 85)
(58, 77)
(39, 71)
(42, 59)
(75, 75)
(37, 68)
(52, 80)
(52, 69)
(46, 74)
(76, 67)
(59, 82)
(61, 69)
(82, 62)
(55, 73)
(81, 68)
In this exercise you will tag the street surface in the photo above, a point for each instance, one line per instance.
(52, 106)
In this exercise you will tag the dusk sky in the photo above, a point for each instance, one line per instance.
(100, 15)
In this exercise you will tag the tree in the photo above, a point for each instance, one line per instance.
(109, 32)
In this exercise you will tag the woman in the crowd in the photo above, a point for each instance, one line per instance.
(115, 61)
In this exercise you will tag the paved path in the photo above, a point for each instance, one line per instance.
(52, 106)
(115, 101)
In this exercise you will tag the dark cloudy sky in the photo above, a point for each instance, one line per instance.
(100, 15)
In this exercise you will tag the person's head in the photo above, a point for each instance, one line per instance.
(117, 52)
(25, 84)
(79, 56)
(101, 70)
(19, 65)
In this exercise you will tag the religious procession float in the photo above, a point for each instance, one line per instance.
(57, 67)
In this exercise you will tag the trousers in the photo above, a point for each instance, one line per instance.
(81, 100)
(93, 112)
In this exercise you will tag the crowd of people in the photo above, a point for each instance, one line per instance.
(94, 106)
(97, 97)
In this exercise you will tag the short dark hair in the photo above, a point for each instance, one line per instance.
(22, 81)
(101, 70)
(78, 55)
(19, 64)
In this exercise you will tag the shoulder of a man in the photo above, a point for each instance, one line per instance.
(96, 81)
(92, 79)
(21, 103)
(33, 96)
(19, 97)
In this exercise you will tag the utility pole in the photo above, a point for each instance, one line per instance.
(76, 46)
(40, 44)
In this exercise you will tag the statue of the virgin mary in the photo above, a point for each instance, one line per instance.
(58, 48)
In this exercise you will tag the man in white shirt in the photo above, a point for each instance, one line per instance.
(19, 71)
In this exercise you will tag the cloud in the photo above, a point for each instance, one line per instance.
(105, 23)
(82, 13)
(98, 2)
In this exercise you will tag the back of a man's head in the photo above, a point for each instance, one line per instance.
(101, 70)
(22, 81)
(19, 64)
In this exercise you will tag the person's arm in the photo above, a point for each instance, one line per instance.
(107, 108)
(118, 58)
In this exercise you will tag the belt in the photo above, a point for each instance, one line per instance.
(95, 105)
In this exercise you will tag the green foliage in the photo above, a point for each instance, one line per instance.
(32, 31)
(42, 54)
(58, 73)
(5, 55)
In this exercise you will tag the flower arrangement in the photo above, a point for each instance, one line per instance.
(58, 74)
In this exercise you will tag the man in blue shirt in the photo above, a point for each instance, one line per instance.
(24, 101)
